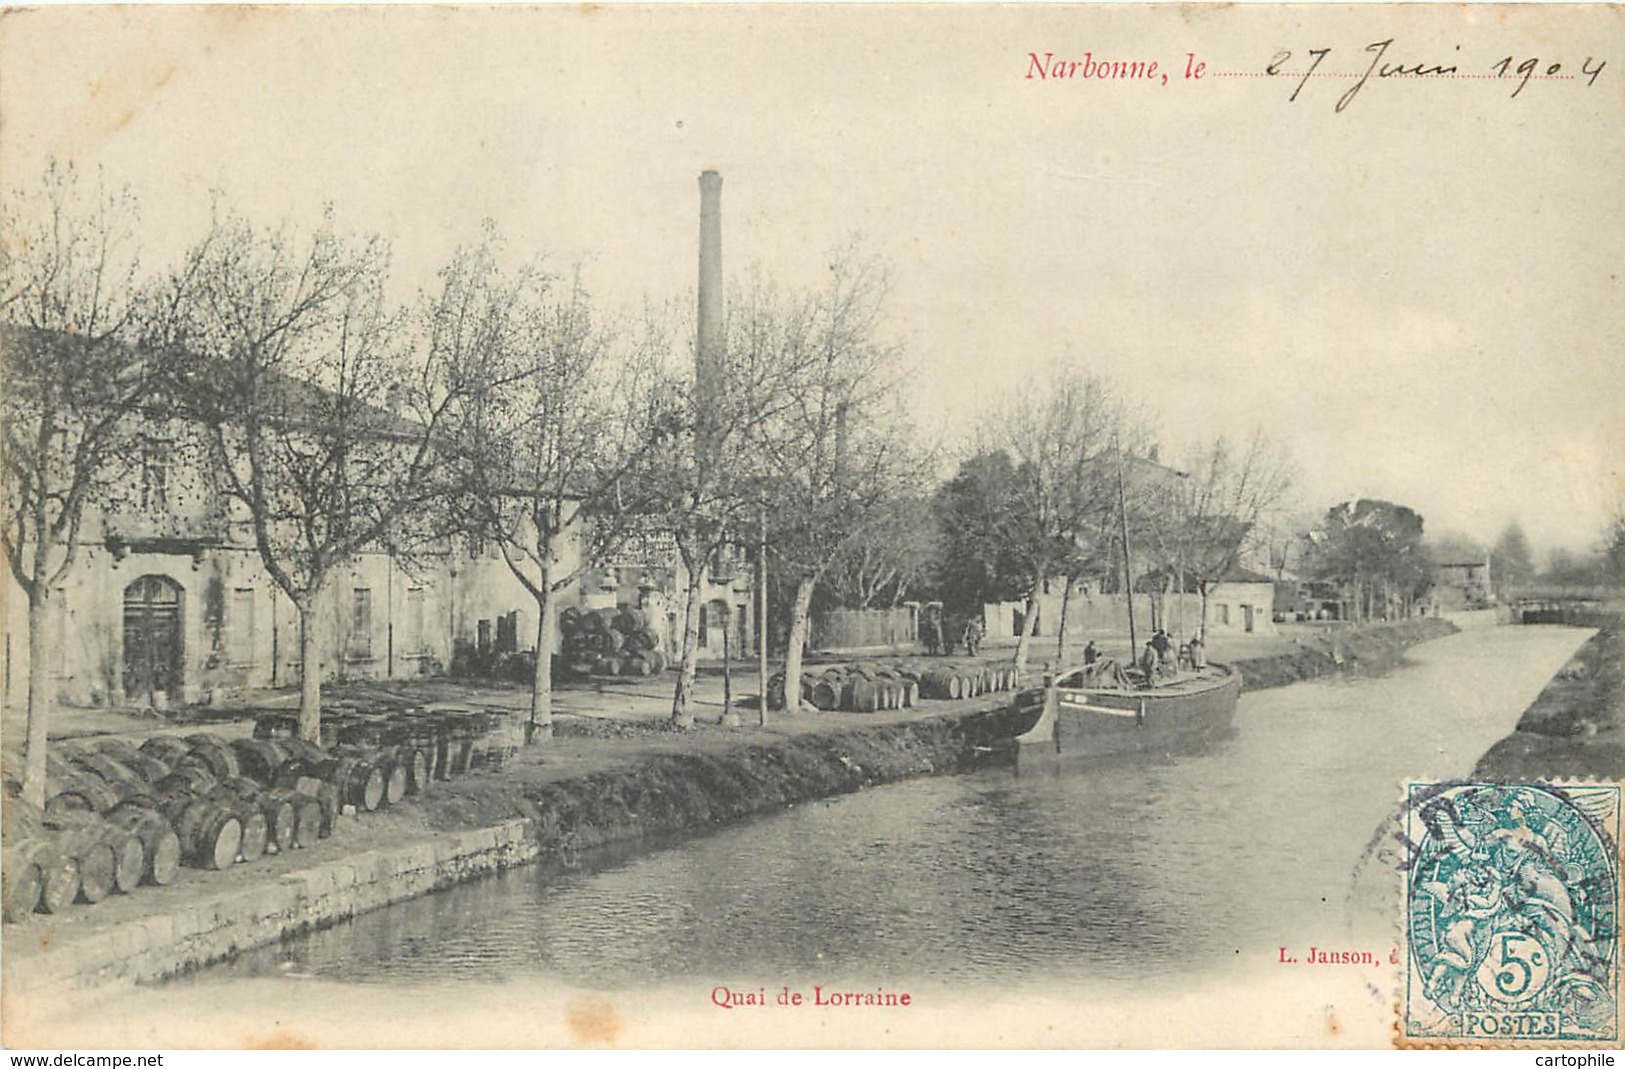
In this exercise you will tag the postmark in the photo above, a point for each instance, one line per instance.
(1511, 914)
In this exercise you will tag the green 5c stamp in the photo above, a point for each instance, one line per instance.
(1512, 913)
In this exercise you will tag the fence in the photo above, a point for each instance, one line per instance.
(856, 629)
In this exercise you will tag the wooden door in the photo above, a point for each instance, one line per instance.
(153, 640)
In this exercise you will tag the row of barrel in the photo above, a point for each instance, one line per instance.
(118, 816)
(450, 741)
(873, 686)
(610, 642)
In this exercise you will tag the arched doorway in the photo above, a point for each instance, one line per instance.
(714, 619)
(153, 640)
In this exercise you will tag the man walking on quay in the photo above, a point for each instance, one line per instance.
(973, 636)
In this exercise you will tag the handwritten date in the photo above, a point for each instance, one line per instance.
(1517, 71)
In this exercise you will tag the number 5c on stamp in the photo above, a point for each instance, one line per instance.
(1512, 908)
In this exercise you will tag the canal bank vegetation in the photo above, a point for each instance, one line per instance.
(1356, 649)
(1575, 728)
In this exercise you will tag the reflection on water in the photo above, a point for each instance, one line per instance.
(1135, 872)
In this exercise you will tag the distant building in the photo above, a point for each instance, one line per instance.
(1462, 585)
(168, 601)
(1242, 602)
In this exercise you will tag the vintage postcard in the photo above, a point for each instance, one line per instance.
(802, 525)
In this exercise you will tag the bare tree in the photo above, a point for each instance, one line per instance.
(706, 482)
(1062, 434)
(1221, 508)
(283, 350)
(554, 413)
(69, 377)
(837, 456)
(887, 558)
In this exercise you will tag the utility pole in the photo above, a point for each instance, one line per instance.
(761, 620)
(1128, 568)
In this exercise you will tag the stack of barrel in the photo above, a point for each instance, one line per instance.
(117, 815)
(89, 841)
(954, 680)
(609, 642)
(409, 746)
(872, 686)
(865, 687)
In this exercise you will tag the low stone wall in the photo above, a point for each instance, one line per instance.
(162, 945)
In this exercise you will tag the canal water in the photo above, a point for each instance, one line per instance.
(1189, 877)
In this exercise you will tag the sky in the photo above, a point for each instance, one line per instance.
(1420, 296)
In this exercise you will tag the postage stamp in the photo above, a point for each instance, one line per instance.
(1512, 914)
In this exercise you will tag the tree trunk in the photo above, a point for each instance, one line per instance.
(1060, 629)
(310, 673)
(1029, 629)
(682, 712)
(798, 638)
(40, 698)
(728, 716)
(1201, 621)
(541, 683)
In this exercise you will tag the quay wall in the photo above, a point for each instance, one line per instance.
(1575, 728)
(663, 795)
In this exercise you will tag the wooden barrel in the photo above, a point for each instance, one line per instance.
(865, 695)
(307, 817)
(110, 770)
(440, 761)
(160, 846)
(78, 791)
(150, 769)
(301, 779)
(358, 782)
(83, 834)
(281, 821)
(121, 750)
(98, 864)
(60, 873)
(461, 738)
(211, 836)
(216, 754)
(130, 858)
(416, 763)
(187, 779)
(256, 830)
(278, 816)
(826, 692)
(259, 759)
(22, 880)
(166, 748)
(304, 751)
(389, 766)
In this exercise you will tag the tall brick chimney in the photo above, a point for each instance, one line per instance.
(709, 326)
